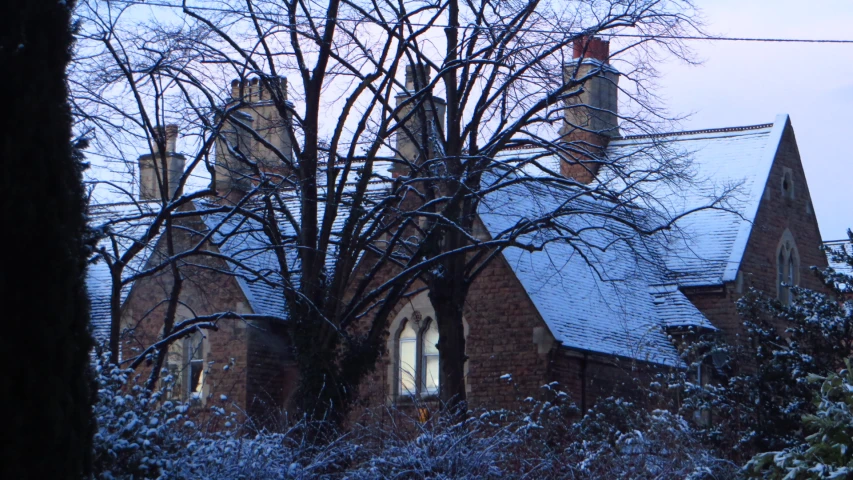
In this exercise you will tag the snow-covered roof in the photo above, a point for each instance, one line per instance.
(257, 272)
(612, 291)
(674, 310)
(709, 244)
(255, 266)
(591, 286)
(126, 223)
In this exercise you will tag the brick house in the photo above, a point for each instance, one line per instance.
(585, 316)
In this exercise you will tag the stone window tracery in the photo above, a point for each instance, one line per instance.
(417, 364)
(787, 268)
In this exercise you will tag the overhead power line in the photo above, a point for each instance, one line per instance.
(706, 38)
(734, 39)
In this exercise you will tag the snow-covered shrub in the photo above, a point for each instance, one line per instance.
(618, 439)
(140, 435)
(827, 451)
(761, 390)
(439, 448)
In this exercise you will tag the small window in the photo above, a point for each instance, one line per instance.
(430, 359)
(788, 184)
(185, 363)
(787, 275)
(195, 379)
(417, 358)
(408, 359)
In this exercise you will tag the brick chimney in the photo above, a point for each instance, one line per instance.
(415, 143)
(151, 177)
(258, 110)
(591, 118)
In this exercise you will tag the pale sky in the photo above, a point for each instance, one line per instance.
(742, 83)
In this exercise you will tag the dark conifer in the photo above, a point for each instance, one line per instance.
(47, 429)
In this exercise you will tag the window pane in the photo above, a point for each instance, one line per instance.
(196, 342)
(791, 270)
(408, 332)
(431, 339)
(408, 355)
(196, 378)
(430, 374)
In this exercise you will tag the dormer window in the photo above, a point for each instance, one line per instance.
(788, 184)
(787, 268)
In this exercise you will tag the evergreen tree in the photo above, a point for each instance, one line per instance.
(827, 450)
(45, 343)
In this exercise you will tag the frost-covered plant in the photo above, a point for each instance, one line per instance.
(618, 439)
(440, 448)
(140, 435)
(761, 391)
(827, 452)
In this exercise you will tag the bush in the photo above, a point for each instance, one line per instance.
(142, 435)
(827, 451)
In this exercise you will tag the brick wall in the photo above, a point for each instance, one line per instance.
(506, 335)
(244, 361)
(590, 377)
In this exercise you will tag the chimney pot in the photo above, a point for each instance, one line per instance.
(592, 48)
(254, 90)
(235, 89)
(417, 76)
(171, 138)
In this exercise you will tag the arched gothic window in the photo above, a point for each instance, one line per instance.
(787, 266)
(417, 357)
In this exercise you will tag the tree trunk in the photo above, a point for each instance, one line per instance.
(320, 395)
(45, 346)
(447, 295)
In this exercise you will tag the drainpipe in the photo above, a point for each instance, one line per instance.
(583, 384)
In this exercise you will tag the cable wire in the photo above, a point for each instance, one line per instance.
(712, 38)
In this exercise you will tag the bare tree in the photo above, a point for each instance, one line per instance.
(304, 163)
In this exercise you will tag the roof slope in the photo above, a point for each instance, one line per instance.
(590, 287)
(239, 238)
(126, 223)
(709, 244)
(611, 290)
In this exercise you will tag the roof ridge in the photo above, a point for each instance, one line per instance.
(697, 132)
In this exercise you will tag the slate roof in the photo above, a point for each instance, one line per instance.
(244, 241)
(593, 291)
(235, 236)
(127, 222)
(606, 291)
(710, 243)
